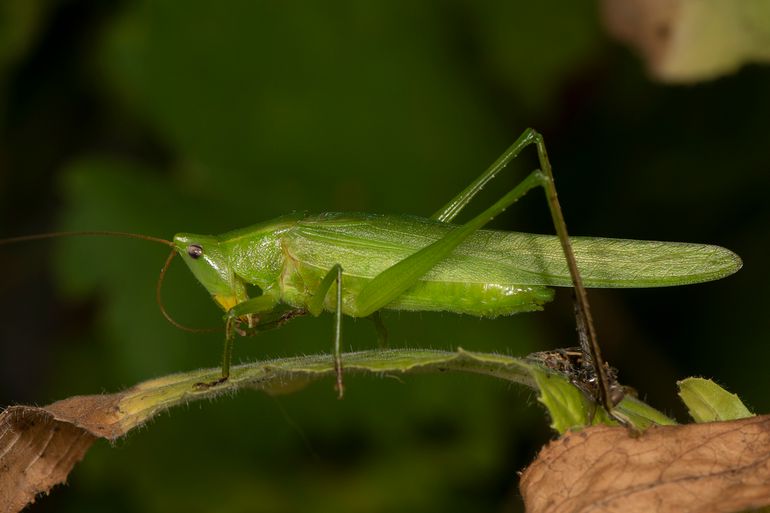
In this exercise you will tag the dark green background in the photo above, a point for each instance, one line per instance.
(160, 116)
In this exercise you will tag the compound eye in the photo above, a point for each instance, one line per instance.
(195, 251)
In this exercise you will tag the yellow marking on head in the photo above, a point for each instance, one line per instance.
(226, 302)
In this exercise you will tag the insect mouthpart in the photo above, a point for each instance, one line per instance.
(195, 251)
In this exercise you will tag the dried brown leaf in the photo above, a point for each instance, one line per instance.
(717, 467)
(37, 452)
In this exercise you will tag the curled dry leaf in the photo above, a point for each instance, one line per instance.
(39, 446)
(38, 452)
(708, 468)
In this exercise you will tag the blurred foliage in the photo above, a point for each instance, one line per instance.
(688, 41)
(159, 116)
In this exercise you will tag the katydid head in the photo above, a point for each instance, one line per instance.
(211, 267)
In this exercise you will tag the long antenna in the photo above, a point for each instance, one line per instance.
(128, 235)
(159, 299)
(90, 233)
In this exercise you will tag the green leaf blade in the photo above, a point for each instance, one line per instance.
(708, 402)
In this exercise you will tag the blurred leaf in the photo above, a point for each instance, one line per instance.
(20, 22)
(692, 40)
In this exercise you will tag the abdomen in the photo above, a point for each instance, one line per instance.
(479, 299)
(300, 281)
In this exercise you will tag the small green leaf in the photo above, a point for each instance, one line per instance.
(569, 408)
(641, 415)
(708, 402)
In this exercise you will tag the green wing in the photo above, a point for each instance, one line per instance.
(367, 244)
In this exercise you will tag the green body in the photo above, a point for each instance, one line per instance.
(413, 263)
(425, 264)
(491, 273)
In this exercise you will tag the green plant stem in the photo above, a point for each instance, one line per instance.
(568, 407)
